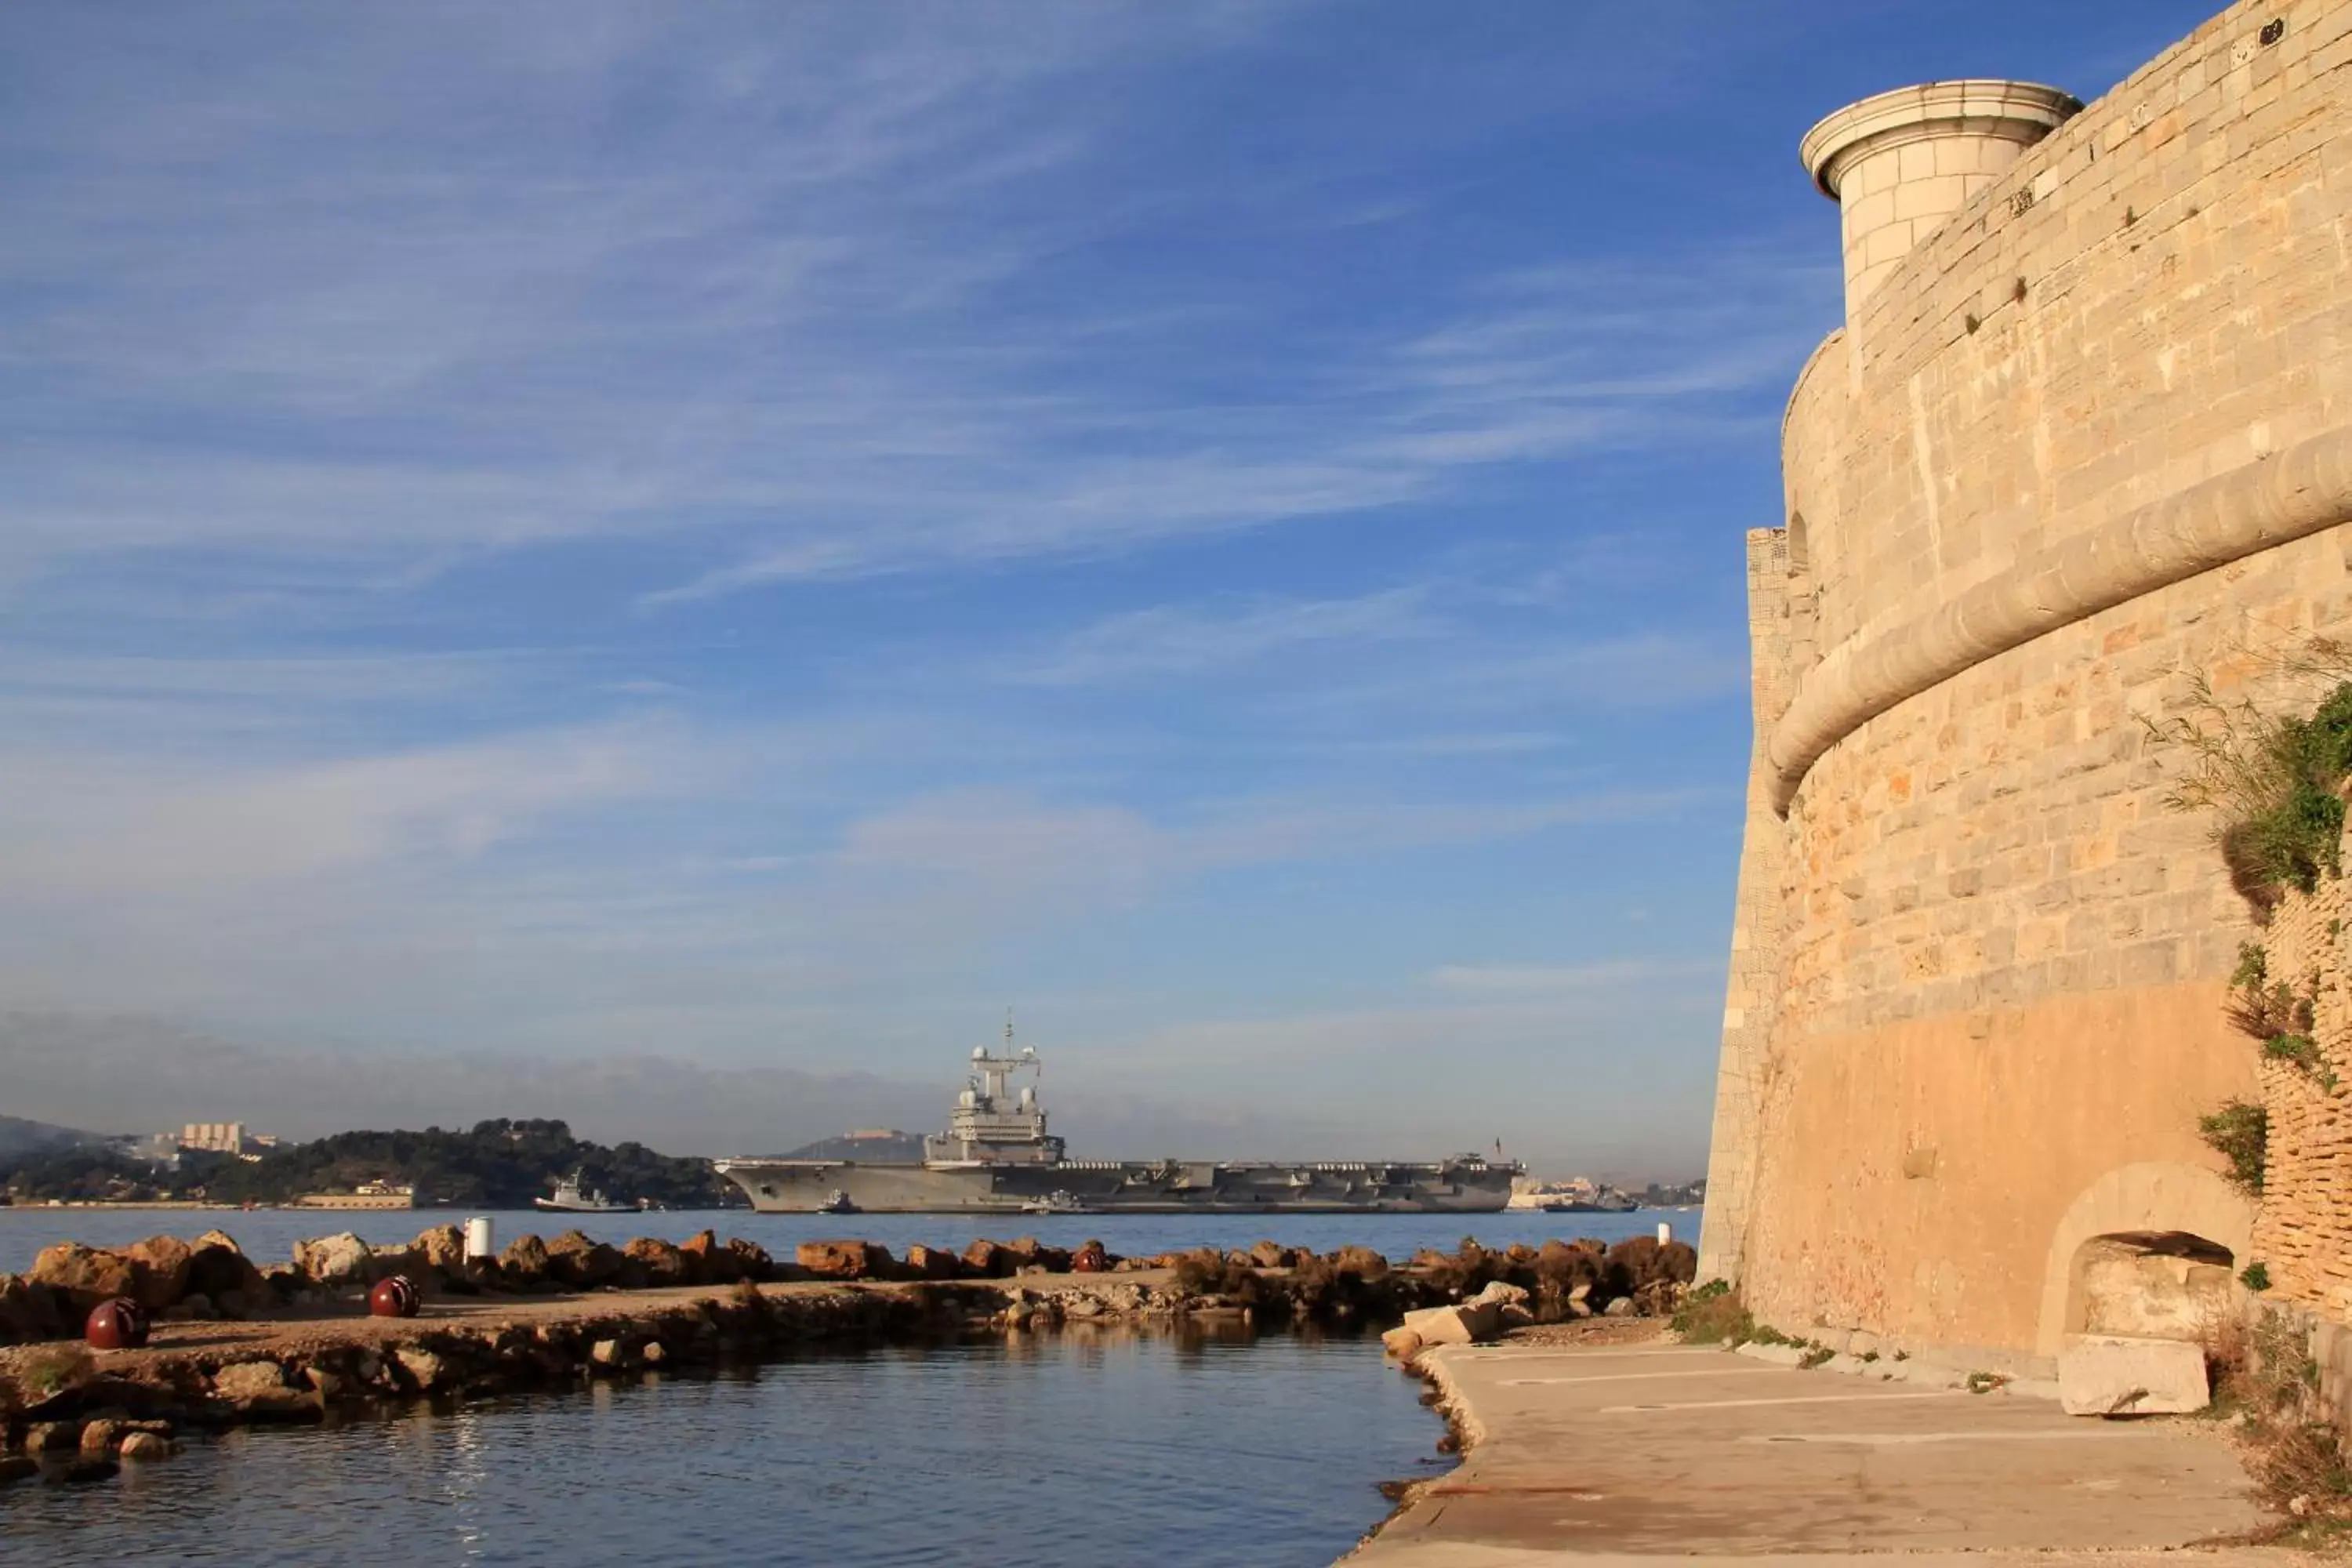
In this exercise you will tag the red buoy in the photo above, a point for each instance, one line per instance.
(119, 1324)
(395, 1296)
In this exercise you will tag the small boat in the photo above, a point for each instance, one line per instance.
(1056, 1202)
(571, 1198)
(837, 1204)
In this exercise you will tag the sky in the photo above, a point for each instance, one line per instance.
(666, 565)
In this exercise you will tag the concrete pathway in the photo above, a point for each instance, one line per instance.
(1599, 1453)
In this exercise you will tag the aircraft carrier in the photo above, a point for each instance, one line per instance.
(997, 1157)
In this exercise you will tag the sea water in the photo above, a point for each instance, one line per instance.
(1092, 1448)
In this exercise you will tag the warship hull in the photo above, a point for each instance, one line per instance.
(1115, 1186)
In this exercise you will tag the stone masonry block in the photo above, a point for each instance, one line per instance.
(2115, 1374)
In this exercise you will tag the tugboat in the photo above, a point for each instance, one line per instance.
(570, 1198)
(837, 1204)
(1057, 1201)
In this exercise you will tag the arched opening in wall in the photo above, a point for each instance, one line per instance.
(2153, 1284)
(1800, 549)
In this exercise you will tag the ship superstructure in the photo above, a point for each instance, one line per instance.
(996, 1154)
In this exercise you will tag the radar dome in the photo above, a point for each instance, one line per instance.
(979, 1053)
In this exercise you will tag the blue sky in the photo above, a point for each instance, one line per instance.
(757, 535)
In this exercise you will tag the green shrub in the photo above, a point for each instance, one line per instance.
(1713, 1314)
(2256, 1277)
(2240, 1134)
(2273, 782)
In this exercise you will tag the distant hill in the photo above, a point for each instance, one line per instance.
(892, 1147)
(18, 1136)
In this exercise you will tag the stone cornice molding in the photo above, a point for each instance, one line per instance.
(2269, 502)
(2019, 112)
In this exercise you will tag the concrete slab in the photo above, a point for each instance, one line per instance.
(1610, 1452)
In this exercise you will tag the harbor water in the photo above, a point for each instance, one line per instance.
(1088, 1448)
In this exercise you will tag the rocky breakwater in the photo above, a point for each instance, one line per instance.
(239, 1343)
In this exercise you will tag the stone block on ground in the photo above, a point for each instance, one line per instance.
(1464, 1324)
(2114, 1374)
(85, 1276)
(1402, 1342)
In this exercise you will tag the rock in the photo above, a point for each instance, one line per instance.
(2112, 1374)
(219, 1270)
(82, 1472)
(988, 1260)
(844, 1259)
(1028, 1252)
(426, 1370)
(524, 1262)
(99, 1439)
(607, 1352)
(1361, 1261)
(84, 1275)
(662, 1263)
(1459, 1325)
(441, 1250)
(147, 1447)
(654, 1354)
(1622, 1307)
(751, 1259)
(706, 1262)
(932, 1263)
(334, 1261)
(250, 1382)
(193, 1309)
(27, 1311)
(580, 1263)
(52, 1436)
(1402, 1342)
(159, 1265)
(1500, 1293)
(1632, 1263)
(19, 1468)
(1272, 1255)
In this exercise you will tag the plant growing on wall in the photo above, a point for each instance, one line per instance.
(2273, 783)
(2240, 1133)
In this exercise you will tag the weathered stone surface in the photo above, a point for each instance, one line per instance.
(336, 1261)
(988, 1260)
(99, 1439)
(1028, 1252)
(160, 1269)
(2111, 1375)
(53, 1436)
(1360, 1260)
(1499, 1293)
(660, 1263)
(1273, 1254)
(607, 1352)
(84, 1275)
(580, 1263)
(844, 1259)
(1402, 1342)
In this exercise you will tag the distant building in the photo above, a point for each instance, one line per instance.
(214, 1137)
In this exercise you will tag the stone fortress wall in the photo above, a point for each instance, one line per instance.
(2085, 436)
